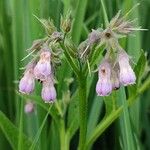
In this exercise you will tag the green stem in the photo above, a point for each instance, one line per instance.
(82, 111)
(20, 127)
(64, 137)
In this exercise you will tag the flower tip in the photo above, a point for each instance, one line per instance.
(129, 83)
(101, 94)
(103, 89)
(26, 85)
(49, 102)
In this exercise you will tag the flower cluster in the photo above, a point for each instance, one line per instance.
(45, 58)
(115, 69)
(40, 70)
(112, 76)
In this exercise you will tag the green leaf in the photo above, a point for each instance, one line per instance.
(94, 115)
(132, 90)
(79, 17)
(102, 126)
(140, 67)
(12, 133)
(104, 13)
(40, 130)
(125, 124)
(139, 71)
(73, 114)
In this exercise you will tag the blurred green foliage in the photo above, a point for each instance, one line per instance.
(18, 28)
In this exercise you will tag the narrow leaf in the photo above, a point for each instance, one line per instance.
(12, 133)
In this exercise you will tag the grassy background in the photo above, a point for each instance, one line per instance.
(18, 28)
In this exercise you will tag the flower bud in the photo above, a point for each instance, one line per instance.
(29, 107)
(48, 25)
(126, 75)
(66, 23)
(58, 36)
(36, 45)
(94, 37)
(104, 85)
(43, 68)
(125, 28)
(27, 83)
(48, 91)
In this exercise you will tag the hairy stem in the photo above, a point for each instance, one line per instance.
(82, 111)
(70, 60)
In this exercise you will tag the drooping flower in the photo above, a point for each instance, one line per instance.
(29, 107)
(27, 82)
(48, 90)
(43, 68)
(126, 75)
(104, 85)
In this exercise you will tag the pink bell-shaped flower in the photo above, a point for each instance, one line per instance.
(104, 85)
(48, 91)
(43, 68)
(27, 83)
(126, 75)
